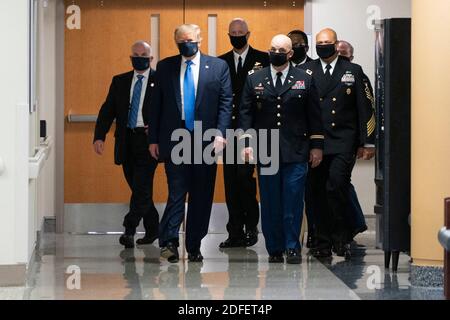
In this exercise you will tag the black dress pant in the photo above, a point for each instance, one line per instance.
(329, 186)
(240, 196)
(139, 169)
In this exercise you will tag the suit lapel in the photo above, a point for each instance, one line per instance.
(268, 81)
(321, 82)
(202, 78)
(150, 85)
(176, 82)
(249, 60)
(336, 76)
(288, 82)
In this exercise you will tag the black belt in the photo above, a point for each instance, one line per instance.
(137, 130)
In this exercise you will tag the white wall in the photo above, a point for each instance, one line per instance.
(46, 96)
(14, 121)
(351, 20)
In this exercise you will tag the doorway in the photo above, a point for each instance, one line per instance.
(99, 49)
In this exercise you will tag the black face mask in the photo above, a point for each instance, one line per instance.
(299, 54)
(326, 51)
(140, 63)
(238, 42)
(278, 59)
(188, 49)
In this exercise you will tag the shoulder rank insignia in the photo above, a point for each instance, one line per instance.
(251, 72)
(309, 72)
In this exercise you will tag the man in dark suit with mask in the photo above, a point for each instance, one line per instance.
(127, 102)
(192, 91)
(240, 183)
(300, 46)
(349, 126)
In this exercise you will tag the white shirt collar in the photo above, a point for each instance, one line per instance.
(145, 74)
(195, 61)
(332, 64)
(243, 55)
(284, 72)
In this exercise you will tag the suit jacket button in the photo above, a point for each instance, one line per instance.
(278, 107)
(279, 115)
(333, 124)
(279, 124)
(334, 99)
(234, 118)
(279, 98)
(321, 99)
(234, 106)
(333, 112)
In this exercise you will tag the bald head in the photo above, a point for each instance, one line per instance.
(141, 49)
(238, 27)
(345, 49)
(326, 36)
(281, 42)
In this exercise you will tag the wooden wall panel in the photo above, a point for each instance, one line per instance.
(265, 19)
(94, 54)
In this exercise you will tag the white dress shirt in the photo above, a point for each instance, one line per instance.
(283, 76)
(243, 55)
(332, 64)
(140, 119)
(195, 68)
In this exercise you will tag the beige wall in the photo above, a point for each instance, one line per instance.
(430, 126)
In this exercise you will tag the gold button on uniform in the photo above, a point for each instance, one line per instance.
(333, 124)
(279, 124)
(333, 112)
(334, 99)
(278, 107)
(321, 99)
(234, 118)
(279, 98)
(279, 115)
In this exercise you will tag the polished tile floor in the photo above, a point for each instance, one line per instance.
(107, 271)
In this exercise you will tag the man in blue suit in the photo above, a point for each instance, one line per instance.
(191, 90)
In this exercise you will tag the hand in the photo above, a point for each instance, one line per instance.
(247, 155)
(368, 153)
(219, 144)
(154, 151)
(315, 157)
(360, 153)
(99, 147)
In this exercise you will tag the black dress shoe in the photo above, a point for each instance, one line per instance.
(195, 257)
(127, 241)
(344, 250)
(170, 252)
(359, 230)
(293, 256)
(321, 253)
(146, 240)
(232, 243)
(251, 238)
(310, 242)
(277, 258)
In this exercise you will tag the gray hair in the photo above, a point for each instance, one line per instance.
(188, 28)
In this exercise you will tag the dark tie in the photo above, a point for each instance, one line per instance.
(239, 66)
(279, 83)
(135, 102)
(189, 96)
(328, 73)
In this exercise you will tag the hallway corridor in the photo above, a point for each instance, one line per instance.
(110, 272)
